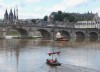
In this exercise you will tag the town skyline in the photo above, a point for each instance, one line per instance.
(28, 9)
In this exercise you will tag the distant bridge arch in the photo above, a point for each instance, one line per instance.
(45, 34)
(93, 36)
(79, 35)
(22, 32)
(65, 34)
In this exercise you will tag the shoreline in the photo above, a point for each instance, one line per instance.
(72, 68)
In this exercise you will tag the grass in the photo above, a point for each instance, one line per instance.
(12, 33)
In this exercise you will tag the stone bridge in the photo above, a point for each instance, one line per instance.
(27, 31)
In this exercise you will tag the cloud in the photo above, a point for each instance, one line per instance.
(67, 4)
(28, 10)
(61, 6)
(40, 12)
(30, 15)
(22, 8)
(96, 10)
(33, 1)
(73, 3)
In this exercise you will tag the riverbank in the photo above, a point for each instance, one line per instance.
(66, 68)
(17, 37)
(71, 68)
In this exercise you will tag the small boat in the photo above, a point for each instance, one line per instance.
(53, 62)
(60, 38)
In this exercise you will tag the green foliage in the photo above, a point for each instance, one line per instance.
(45, 18)
(61, 16)
(15, 33)
(33, 20)
(71, 17)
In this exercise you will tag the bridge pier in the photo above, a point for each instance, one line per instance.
(98, 36)
(72, 35)
(2, 35)
(87, 35)
(30, 34)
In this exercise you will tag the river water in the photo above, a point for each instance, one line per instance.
(27, 55)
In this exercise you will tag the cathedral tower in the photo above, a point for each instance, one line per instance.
(12, 16)
(17, 13)
(6, 15)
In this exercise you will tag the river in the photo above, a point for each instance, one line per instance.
(28, 55)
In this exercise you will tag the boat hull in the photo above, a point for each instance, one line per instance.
(61, 39)
(53, 63)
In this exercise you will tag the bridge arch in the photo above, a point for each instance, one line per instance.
(65, 34)
(22, 32)
(93, 36)
(45, 34)
(79, 35)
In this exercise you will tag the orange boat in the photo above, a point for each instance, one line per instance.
(60, 38)
(53, 62)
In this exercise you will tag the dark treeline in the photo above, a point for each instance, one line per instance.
(60, 16)
(71, 17)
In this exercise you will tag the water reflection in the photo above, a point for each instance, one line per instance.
(93, 39)
(79, 39)
(25, 55)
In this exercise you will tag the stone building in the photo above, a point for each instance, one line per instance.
(10, 17)
(94, 23)
(85, 24)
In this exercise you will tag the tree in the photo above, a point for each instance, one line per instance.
(33, 20)
(45, 18)
(60, 12)
(60, 16)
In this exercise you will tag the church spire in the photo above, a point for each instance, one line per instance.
(11, 15)
(14, 14)
(11, 11)
(6, 15)
(17, 12)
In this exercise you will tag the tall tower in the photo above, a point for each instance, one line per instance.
(11, 16)
(17, 12)
(6, 15)
(14, 16)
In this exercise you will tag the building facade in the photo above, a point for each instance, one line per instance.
(85, 24)
(10, 17)
(94, 23)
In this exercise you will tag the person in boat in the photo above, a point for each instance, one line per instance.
(52, 61)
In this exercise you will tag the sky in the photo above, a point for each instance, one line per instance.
(29, 9)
